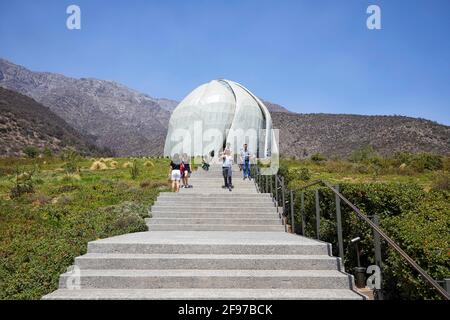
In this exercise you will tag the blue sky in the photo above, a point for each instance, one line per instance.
(310, 56)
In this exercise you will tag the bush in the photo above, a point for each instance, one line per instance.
(47, 152)
(21, 189)
(423, 233)
(446, 163)
(441, 182)
(23, 184)
(365, 154)
(302, 174)
(31, 152)
(317, 157)
(417, 162)
(134, 170)
(426, 161)
(394, 203)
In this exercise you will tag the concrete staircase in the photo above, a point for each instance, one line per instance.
(206, 242)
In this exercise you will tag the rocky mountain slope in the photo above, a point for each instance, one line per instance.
(24, 122)
(130, 123)
(112, 115)
(302, 135)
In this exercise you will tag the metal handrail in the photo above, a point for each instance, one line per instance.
(375, 227)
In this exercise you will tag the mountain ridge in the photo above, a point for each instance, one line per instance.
(131, 123)
(24, 122)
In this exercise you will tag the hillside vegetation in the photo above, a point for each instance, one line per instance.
(24, 123)
(51, 207)
(411, 195)
(338, 135)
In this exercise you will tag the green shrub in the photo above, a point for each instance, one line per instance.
(318, 157)
(426, 161)
(364, 154)
(302, 174)
(424, 233)
(47, 152)
(418, 162)
(441, 182)
(23, 184)
(31, 152)
(134, 170)
(71, 158)
(393, 203)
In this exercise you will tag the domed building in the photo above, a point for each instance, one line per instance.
(216, 114)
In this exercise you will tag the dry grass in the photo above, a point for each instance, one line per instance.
(113, 164)
(127, 164)
(149, 164)
(98, 165)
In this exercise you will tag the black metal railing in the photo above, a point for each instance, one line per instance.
(284, 198)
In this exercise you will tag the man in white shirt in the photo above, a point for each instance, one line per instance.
(226, 168)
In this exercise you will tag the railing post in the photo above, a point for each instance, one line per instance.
(302, 211)
(339, 225)
(377, 249)
(266, 187)
(317, 214)
(292, 212)
(276, 191)
(271, 187)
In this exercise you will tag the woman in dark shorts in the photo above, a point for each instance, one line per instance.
(174, 172)
(187, 171)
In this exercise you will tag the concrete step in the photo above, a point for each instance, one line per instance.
(95, 261)
(209, 200)
(218, 190)
(234, 196)
(218, 186)
(214, 221)
(176, 204)
(204, 294)
(215, 227)
(189, 208)
(182, 278)
(232, 215)
(210, 242)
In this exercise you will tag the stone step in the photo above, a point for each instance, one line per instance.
(215, 227)
(216, 201)
(234, 196)
(189, 208)
(181, 278)
(213, 204)
(219, 186)
(217, 190)
(94, 261)
(210, 242)
(215, 221)
(232, 215)
(204, 294)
